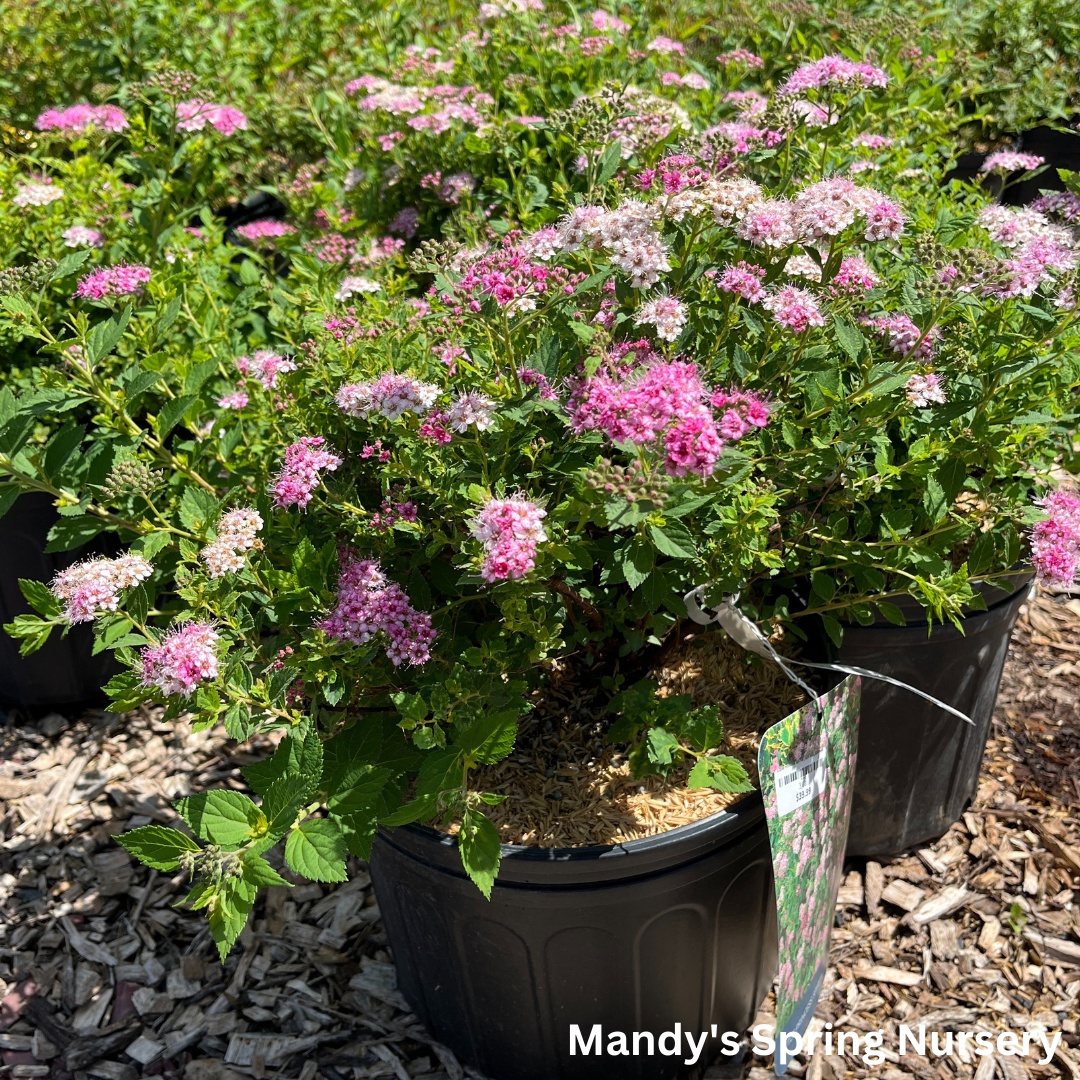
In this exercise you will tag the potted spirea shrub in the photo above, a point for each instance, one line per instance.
(394, 531)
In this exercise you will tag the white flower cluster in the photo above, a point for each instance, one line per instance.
(236, 531)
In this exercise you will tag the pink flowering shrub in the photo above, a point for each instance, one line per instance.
(79, 119)
(528, 361)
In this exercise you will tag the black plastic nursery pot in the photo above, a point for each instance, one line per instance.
(678, 928)
(919, 765)
(64, 671)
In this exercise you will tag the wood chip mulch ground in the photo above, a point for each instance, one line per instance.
(100, 976)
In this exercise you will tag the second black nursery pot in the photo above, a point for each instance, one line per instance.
(675, 929)
(918, 766)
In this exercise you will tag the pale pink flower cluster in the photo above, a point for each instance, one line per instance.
(1015, 226)
(602, 21)
(832, 71)
(1036, 263)
(666, 47)
(741, 56)
(470, 408)
(391, 395)
(803, 266)
(691, 79)
(1063, 204)
(265, 230)
(1055, 543)
(92, 588)
(821, 211)
(300, 474)
(350, 286)
(925, 390)
(510, 530)
(456, 187)
(81, 236)
(794, 309)
(504, 8)
(236, 533)
(1008, 161)
(628, 235)
(903, 337)
(77, 119)
(749, 104)
(872, 141)
(369, 605)
(743, 279)
(237, 400)
(265, 365)
(36, 193)
(666, 314)
(186, 656)
(106, 281)
(194, 115)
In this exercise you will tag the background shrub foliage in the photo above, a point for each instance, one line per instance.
(562, 316)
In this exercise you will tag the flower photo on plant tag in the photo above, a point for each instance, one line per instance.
(807, 765)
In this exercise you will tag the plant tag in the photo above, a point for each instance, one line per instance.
(807, 768)
(798, 784)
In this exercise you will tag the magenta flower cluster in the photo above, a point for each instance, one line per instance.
(300, 474)
(91, 588)
(77, 119)
(369, 605)
(510, 530)
(106, 281)
(664, 404)
(186, 656)
(1055, 542)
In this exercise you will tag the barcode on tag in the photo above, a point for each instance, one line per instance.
(801, 783)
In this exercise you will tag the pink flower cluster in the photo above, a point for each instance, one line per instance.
(661, 403)
(832, 71)
(81, 236)
(1062, 204)
(666, 46)
(1055, 543)
(743, 279)
(264, 230)
(469, 408)
(299, 475)
(236, 533)
(601, 20)
(90, 588)
(903, 337)
(237, 400)
(391, 396)
(794, 309)
(509, 276)
(872, 141)
(368, 605)
(38, 192)
(186, 656)
(77, 119)
(819, 212)
(194, 115)
(854, 276)
(925, 390)
(265, 365)
(628, 234)
(741, 56)
(510, 530)
(1008, 161)
(106, 281)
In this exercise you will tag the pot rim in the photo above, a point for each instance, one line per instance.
(596, 864)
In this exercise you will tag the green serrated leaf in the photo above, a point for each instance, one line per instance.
(723, 773)
(317, 850)
(481, 850)
(226, 818)
(157, 846)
